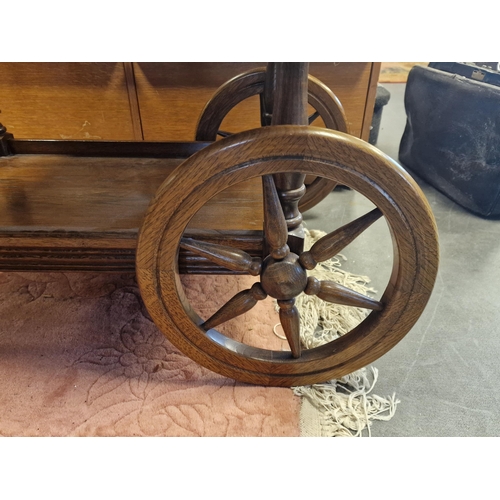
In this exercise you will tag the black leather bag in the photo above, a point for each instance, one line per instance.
(452, 137)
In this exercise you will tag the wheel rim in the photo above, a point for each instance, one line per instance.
(250, 84)
(283, 149)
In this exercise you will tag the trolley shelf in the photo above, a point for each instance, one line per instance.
(66, 212)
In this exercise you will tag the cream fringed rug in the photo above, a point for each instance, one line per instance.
(344, 407)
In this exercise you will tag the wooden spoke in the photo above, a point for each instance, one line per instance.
(228, 257)
(339, 294)
(313, 117)
(331, 244)
(241, 303)
(290, 321)
(275, 226)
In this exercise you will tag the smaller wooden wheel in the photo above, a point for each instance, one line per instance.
(282, 274)
(325, 103)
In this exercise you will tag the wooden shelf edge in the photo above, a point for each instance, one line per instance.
(42, 252)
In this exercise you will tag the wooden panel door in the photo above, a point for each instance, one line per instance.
(67, 101)
(355, 84)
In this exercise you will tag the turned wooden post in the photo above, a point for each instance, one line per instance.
(287, 84)
(4, 144)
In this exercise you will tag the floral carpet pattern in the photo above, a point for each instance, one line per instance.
(79, 356)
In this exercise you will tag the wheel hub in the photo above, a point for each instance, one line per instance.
(283, 279)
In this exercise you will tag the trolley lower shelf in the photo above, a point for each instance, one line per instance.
(63, 212)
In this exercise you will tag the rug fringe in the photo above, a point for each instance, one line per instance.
(341, 407)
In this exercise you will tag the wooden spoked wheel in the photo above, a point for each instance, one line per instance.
(281, 274)
(326, 104)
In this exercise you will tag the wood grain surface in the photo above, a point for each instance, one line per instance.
(106, 194)
(65, 101)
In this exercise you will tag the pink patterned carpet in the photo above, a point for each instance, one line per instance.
(80, 357)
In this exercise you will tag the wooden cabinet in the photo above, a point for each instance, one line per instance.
(150, 101)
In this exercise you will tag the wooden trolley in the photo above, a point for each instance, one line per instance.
(165, 208)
